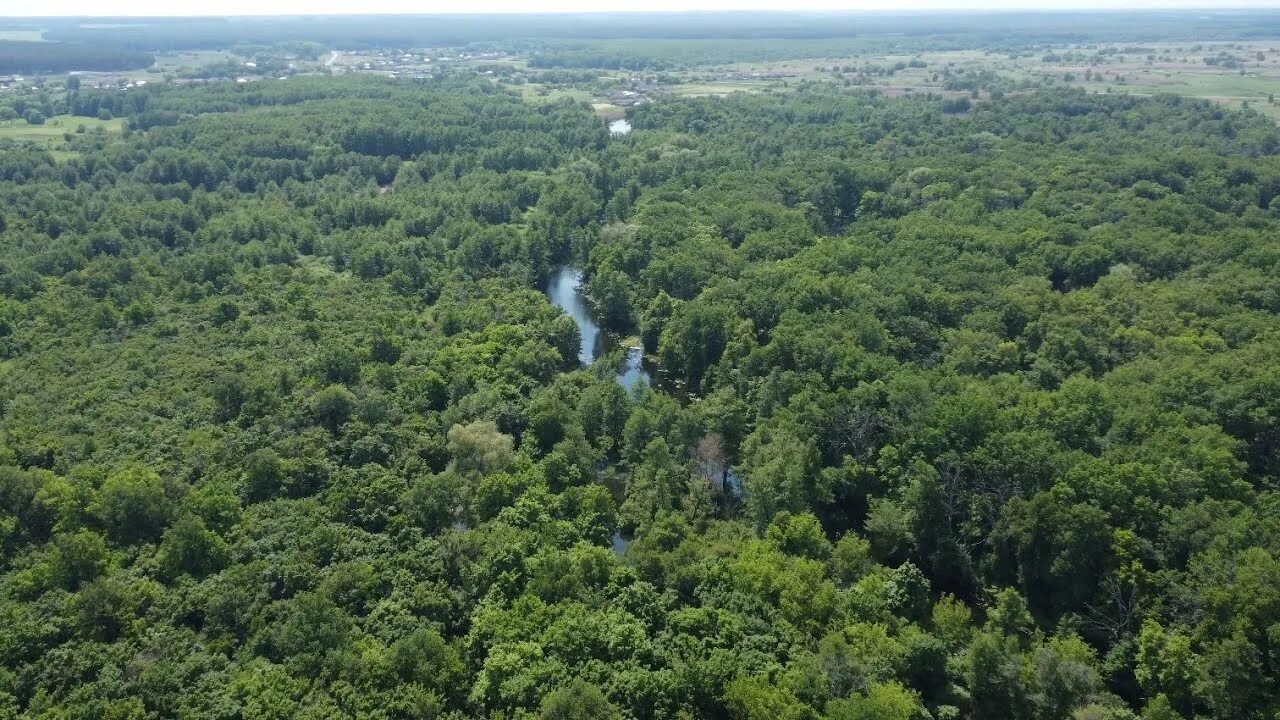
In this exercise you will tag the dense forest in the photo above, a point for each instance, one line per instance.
(957, 411)
(907, 30)
(17, 56)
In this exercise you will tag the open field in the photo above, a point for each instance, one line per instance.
(55, 127)
(696, 89)
(543, 93)
(1230, 73)
(1236, 72)
(608, 111)
(1233, 73)
(52, 134)
(174, 62)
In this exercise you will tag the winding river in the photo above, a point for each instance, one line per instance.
(565, 292)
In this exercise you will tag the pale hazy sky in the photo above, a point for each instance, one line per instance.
(328, 7)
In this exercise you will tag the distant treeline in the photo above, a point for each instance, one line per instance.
(455, 30)
(666, 54)
(57, 57)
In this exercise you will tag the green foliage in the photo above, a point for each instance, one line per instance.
(189, 547)
(755, 699)
(883, 701)
(800, 535)
(136, 504)
(479, 448)
(332, 407)
(966, 414)
(778, 469)
(579, 699)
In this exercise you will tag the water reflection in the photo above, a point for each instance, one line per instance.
(721, 476)
(633, 372)
(565, 292)
(619, 127)
(732, 484)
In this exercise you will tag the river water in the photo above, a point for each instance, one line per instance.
(565, 292)
(619, 127)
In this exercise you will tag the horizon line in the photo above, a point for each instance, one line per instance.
(1261, 5)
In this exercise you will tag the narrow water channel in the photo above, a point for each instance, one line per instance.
(565, 292)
